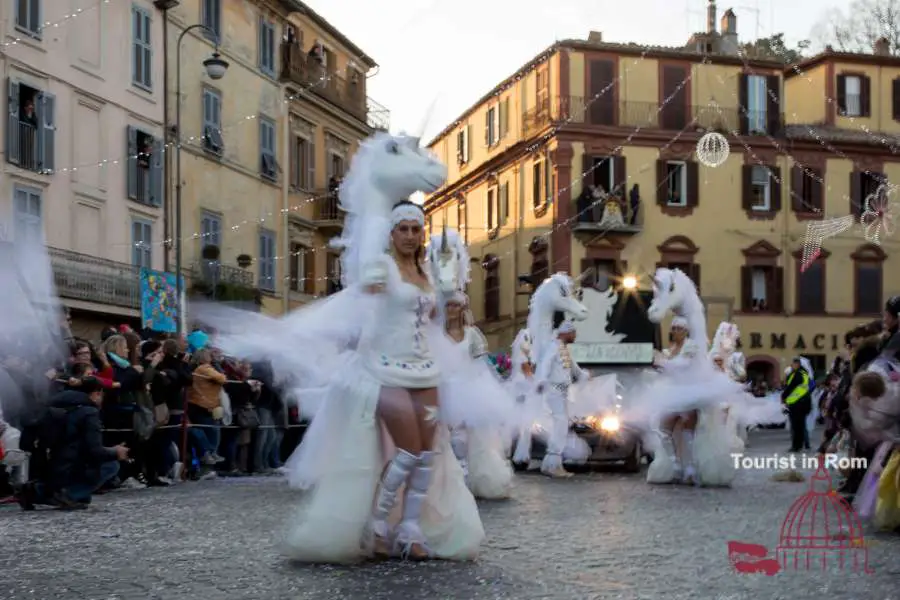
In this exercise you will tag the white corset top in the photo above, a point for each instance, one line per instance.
(398, 351)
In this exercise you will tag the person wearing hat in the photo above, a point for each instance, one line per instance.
(797, 398)
(556, 371)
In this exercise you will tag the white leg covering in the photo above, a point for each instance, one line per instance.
(668, 445)
(395, 474)
(690, 471)
(459, 441)
(559, 433)
(409, 531)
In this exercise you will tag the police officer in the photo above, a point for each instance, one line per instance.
(796, 397)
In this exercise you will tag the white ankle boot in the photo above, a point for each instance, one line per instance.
(409, 533)
(394, 476)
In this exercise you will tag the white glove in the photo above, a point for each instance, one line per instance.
(218, 413)
(374, 274)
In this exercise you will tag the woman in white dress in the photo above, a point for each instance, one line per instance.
(480, 450)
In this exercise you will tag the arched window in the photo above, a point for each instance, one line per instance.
(540, 264)
(762, 280)
(491, 265)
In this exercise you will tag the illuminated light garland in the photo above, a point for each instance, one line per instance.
(712, 149)
(818, 232)
(52, 24)
(879, 214)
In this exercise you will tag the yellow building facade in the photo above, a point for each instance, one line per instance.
(620, 131)
(246, 191)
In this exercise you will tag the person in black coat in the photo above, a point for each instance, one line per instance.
(78, 464)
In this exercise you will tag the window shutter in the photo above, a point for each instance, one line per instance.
(310, 164)
(773, 104)
(504, 203)
(261, 42)
(743, 101)
(865, 96)
(695, 275)
(309, 271)
(620, 178)
(504, 117)
(488, 118)
(602, 106)
(856, 198)
(13, 152)
(132, 161)
(777, 303)
(746, 289)
(797, 199)
(468, 147)
(693, 184)
(157, 173)
(818, 195)
(775, 189)
(662, 186)
(294, 163)
(48, 131)
(841, 93)
(895, 98)
(746, 185)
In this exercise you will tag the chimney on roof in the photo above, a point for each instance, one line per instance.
(595, 37)
(729, 36)
(711, 17)
(882, 47)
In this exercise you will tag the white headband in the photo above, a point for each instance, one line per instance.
(407, 212)
(566, 327)
(679, 322)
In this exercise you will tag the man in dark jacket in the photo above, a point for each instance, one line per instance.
(78, 463)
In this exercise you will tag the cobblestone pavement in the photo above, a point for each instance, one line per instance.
(603, 536)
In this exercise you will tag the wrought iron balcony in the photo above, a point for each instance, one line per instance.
(348, 94)
(215, 273)
(328, 212)
(610, 216)
(649, 115)
(91, 279)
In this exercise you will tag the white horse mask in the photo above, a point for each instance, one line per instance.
(402, 167)
(726, 338)
(559, 293)
(668, 294)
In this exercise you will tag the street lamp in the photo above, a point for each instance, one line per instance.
(215, 67)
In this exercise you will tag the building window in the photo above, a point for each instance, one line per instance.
(266, 47)
(28, 17)
(757, 101)
(267, 260)
(868, 285)
(491, 220)
(491, 265)
(210, 230)
(268, 166)
(333, 267)
(603, 173)
(540, 265)
(211, 17)
(676, 180)
(539, 184)
(807, 191)
(144, 178)
(760, 188)
(818, 362)
(302, 266)
(852, 95)
(335, 167)
(462, 146)
(29, 224)
(810, 290)
(492, 126)
(141, 49)
(303, 163)
(212, 121)
(461, 218)
(602, 273)
(762, 280)
(31, 129)
(142, 244)
(864, 184)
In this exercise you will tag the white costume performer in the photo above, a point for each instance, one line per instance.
(522, 384)
(556, 372)
(724, 348)
(353, 476)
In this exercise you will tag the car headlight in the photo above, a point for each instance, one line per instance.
(610, 424)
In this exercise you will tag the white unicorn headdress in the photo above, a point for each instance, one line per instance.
(725, 341)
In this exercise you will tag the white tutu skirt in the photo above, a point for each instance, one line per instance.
(490, 474)
(339, 464)
(713, 448)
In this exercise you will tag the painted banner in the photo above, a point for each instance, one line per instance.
(159, 301)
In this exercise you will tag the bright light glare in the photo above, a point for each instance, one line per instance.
(609, 424)
(629, 282)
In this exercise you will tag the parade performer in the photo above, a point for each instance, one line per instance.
(476, 405)
(553, 298)
(376, 462)
(556, 372)
(726, 357)
(688, 381)
(522, 384)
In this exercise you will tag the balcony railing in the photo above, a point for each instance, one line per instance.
(596, 216)
(82, 277)
(298, 67)
(214, 273)
(328, 207)
(649, 115)
(22, 145)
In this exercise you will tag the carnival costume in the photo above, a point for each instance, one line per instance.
(522, 385)
(556, 372)
(359, 488)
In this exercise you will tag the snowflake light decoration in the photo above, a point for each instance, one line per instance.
(712, 149)
(816, 233)
(879, 214)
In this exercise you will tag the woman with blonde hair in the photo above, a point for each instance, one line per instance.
(204, 404)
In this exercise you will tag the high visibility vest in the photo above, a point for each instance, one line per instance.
(801, 390)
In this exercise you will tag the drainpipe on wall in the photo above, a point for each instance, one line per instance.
(516, 241)
(285, 200)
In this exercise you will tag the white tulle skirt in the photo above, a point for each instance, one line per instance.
(713, 446)
(490, 473)
(339, 465)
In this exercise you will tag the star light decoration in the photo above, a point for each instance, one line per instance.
(816, 233)
(712, 149)
(879, 214)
